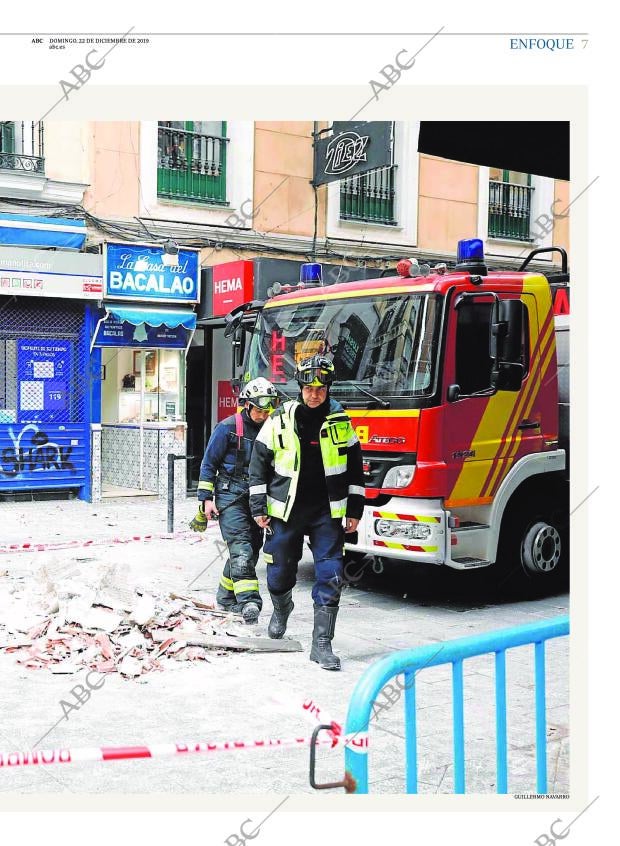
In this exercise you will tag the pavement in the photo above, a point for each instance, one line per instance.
(245, 696)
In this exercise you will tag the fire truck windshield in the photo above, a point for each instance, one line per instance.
(386, 344)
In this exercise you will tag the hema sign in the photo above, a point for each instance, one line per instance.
(137, 272)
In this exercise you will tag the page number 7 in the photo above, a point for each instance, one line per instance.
(584, 43)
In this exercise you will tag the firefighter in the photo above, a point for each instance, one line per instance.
(223, 495)
(306, 477)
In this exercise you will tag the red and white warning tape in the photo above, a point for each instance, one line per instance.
(31, 546)
(61, 755)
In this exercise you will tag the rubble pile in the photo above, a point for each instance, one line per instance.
(65, 617)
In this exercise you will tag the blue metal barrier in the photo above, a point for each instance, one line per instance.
(410, 661)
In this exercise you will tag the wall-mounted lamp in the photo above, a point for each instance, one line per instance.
(170, 255)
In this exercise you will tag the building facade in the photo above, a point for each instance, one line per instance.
(239, 195)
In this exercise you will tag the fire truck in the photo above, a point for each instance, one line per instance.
(456, 381)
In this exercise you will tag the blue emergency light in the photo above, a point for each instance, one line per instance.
(470, 258)
(470, 249)
(311, 274)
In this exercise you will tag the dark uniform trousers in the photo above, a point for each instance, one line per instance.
(238, 583)
(284, 547)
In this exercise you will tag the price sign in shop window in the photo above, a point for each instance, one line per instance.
(44, 375)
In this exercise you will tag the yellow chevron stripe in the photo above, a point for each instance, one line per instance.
(512, 442)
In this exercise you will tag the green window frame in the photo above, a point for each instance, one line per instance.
(22, 146)
(510, 206)
(7, 136)
(191, 161)
(370, 197)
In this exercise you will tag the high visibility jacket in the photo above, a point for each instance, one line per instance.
(276, 459)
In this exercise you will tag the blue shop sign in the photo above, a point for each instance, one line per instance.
(44, 376)
(137, 272)
(134, 327)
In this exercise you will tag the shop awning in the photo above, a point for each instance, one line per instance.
(153, 316)
(24, 230)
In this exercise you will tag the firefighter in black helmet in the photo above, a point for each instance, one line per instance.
(306, 477)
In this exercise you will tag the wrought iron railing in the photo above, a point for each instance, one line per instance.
(369, 197)
(510, 207)
(191, 165)
(22, 146)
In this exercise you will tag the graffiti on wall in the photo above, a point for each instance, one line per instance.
(32, 451)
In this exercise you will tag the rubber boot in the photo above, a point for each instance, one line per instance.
(324, 628)
(250, 612)
(282, 607)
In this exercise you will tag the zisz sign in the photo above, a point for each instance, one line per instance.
(353, 148)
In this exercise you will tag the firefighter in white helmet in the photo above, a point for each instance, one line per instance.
(223, 491)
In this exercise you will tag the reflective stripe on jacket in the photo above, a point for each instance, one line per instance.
(222, 453)
(274, 468)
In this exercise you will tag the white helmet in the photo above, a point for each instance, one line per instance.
(261, 393)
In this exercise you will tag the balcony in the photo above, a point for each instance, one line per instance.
(510, 207)
(191, 166)
(369, 197)
(22, 147)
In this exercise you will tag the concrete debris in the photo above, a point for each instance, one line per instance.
(67, 617)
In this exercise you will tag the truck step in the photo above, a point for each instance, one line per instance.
(468, 563)
(469, 524)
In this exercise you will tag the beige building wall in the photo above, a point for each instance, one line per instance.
(66, 151)
(448, 203)
(114, 169)
(561, 225)
(283, 196)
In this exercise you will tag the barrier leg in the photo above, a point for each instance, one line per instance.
(459, 727)
(501, 739)
(541, 718)
(411, 735)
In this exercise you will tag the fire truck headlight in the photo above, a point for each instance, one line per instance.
(399, 477)
(408, 529)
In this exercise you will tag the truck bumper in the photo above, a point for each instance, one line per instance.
(407, 529)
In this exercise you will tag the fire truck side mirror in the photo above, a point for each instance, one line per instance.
(507, 377)
(454, 393)
(506, 333)
(239, 346)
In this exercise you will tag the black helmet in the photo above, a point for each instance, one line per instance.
(317, 371)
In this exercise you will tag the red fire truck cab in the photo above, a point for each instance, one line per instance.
(452, 381)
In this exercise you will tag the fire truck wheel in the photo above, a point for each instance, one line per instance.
(533, 554)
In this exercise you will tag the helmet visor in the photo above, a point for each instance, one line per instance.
(315, 377)
(265, 403)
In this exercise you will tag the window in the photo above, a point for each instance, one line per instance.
(143, 386)
(370, 197)
(473, 361)
(21, 146)
(385, 344)
(510, 204)
(191, 160)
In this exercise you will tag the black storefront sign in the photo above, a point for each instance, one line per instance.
(353, 148)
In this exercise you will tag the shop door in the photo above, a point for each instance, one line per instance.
(142, 405)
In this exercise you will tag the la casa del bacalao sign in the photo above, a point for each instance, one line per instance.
(137, 272)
